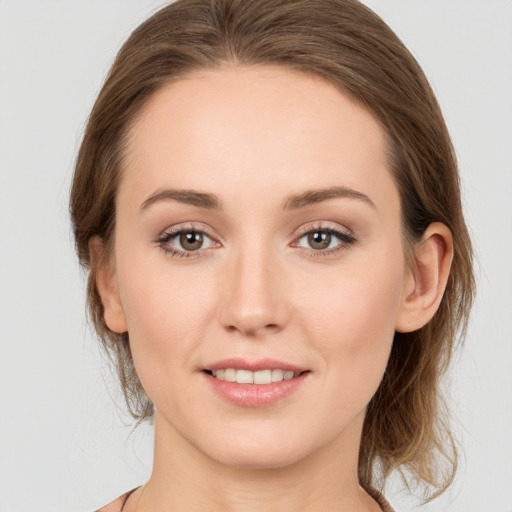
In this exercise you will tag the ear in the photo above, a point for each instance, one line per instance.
(426, 282)
(106, 282)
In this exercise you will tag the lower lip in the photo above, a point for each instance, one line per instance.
(255, 395)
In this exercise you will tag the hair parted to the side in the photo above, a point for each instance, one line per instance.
(345, 43)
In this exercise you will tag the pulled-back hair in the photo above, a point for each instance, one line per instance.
(346, 44)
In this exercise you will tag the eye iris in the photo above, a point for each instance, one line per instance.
(319, 240)
(191, 240)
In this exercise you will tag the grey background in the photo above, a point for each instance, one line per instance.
(63, 444)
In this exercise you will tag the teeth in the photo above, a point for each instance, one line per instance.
(244, 377)
(230, 375)
(258, 377)
(277, 375)
(263, 377)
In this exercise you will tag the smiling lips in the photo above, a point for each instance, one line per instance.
(258, 377)
(255, 384)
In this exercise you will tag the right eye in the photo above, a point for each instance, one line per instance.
(185, 242)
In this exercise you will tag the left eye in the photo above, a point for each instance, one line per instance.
(322, 239)
(187, 240)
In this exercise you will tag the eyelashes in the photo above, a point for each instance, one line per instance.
(324, 241)
(186, 242)
(193, 242)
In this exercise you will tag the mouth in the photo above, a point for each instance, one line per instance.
(259, 377)
(255, 384)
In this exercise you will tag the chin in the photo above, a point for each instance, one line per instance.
(258, 453)
(260, 459)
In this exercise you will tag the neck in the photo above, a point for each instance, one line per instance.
(184, 478)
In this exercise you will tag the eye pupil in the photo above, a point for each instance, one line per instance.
(319, 239)
(191, 240)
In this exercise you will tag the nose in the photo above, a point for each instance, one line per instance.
(253, 297)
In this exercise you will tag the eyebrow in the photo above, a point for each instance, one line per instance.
(192, 197)
(212, 202)
(311, 197)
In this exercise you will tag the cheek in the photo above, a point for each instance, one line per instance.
(357, 304)
(165, 314)
(353, 322)
(159, 297)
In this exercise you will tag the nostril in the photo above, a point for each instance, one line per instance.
(253, 330)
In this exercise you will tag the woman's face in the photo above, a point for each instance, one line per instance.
(258, 231)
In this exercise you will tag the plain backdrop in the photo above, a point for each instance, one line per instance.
(64, 445)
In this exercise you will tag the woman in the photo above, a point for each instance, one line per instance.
(267, 199)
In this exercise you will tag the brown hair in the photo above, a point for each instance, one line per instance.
(348, 45)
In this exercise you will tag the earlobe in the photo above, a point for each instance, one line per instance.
(425, 285)
(106, 283)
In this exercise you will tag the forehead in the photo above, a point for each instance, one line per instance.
(256, 127)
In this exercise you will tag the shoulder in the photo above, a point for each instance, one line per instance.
(117, 504)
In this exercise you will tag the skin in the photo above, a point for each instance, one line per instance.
(254, 136)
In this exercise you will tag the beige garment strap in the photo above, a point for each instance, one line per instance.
(118, 504)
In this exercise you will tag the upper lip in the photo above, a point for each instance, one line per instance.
(256, 365)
